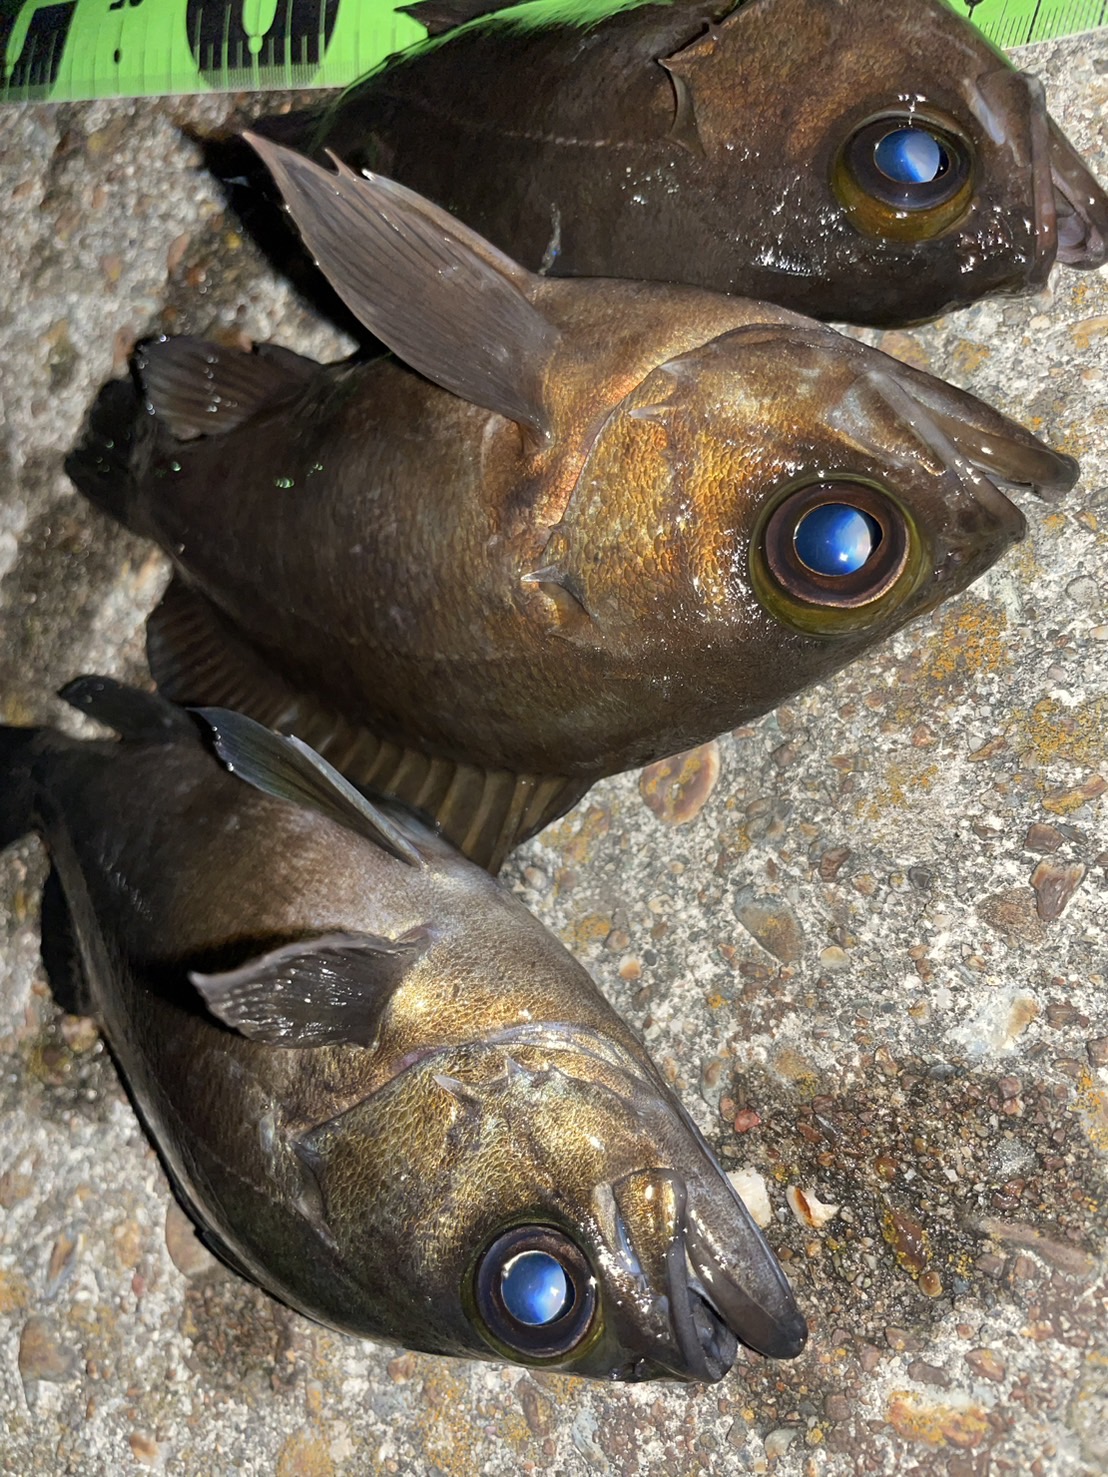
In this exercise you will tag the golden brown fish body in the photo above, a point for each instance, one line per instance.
(852, 159)
(385, 1091)
(578, 555)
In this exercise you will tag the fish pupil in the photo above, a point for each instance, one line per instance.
(910, 156)
(535, 1289)
(836, 539)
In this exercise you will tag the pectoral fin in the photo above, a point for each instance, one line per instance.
(444, 300)
(317, 992)
(290, 770)
(683, 130)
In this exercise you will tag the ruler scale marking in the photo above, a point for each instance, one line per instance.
(62, 52)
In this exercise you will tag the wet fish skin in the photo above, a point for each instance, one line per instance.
(555, 570)
(363, 1060)
(692, 142)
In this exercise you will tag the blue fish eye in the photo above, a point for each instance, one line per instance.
(535, 1288)
(910, 156)
(836, 539)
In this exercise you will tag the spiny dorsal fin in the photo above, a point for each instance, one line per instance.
(325, 991)
(142, 717)
(200, 388)
(440, 16)
(443, 300)
(290, 770)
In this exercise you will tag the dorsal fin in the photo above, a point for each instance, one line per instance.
(142, 717)
(441, 297)
(200, 388)
(290, 770)
(440, 16)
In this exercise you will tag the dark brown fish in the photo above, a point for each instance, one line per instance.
(852, 159)
(603, 522)
(385, 1091)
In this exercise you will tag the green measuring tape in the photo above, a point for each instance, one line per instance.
(62, 50)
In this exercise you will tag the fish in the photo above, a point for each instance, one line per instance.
(569, 527)
(384, 1091)
(850, 159)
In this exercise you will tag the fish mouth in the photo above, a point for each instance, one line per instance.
(971, 439)
(712, 1299)
(1069, 209)
(757, 1308)
(976, 442)
(1080, 207)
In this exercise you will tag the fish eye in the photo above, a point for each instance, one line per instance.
(836, 539)
(832, 553)
(535, 1293)
(911, 156)
(904, 176)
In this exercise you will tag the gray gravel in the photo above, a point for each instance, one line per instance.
(872, 958)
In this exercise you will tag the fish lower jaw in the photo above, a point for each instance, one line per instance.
(1080, 209)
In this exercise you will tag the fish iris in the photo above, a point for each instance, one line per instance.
(910, 156)
(835, 539)
(535, 1288)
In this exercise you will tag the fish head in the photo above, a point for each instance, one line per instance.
(915, 170)
(549, 1205)
(794, 497)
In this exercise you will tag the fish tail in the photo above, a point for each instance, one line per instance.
(19, 748)
(116, 451)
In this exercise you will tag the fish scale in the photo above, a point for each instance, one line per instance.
(554, 613)
(336, 1028)
(854, 161)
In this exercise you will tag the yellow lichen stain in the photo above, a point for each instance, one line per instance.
(734, 842)
(936, 1424)
(1051, 731)
(1092, 1109)
(304, 1455)
(790, 1065)
(902, 784)
(968, 356)
(1024, 562)
(905, 347)
(450, 1436)
(1073, 437)
(14, 1293)
(1088, 329)
(576, 845)
(16, 713)
(968, 642)
(1066, 802)
(675, 789)
(128, 1240)
(1025, 1009)
(594, 928)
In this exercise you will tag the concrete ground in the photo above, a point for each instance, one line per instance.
(865, 938)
